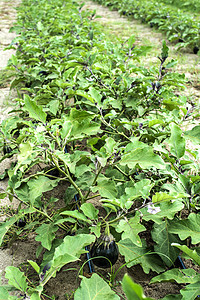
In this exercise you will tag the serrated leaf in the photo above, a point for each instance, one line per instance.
(138, 255)
(177, 275)
(35, 111)
(16, 278)
(163, 240)
(133, 290)
(189, 227)
(130, 229)
(94, 288)
(46, 234)
(167, 209)
(145, 157)
(176, 141)
(191, 253)
(89, 211)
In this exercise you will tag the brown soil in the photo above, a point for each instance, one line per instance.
(17, 254)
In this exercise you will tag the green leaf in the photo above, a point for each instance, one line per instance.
(94, 288)
(193, 134)
(140, 189)
(106, 188)
(167, 209)
(177, 275)
(76, 214)
(145, 157)
(46, 234)
(3, 293)
(160, 197)
(39, 185)
(16, 278)
(176, 141)
(130, 229)
(189, 227)
(132, 289)
(95, 95)
(34, 265)
(35, 111)
(163, 239)
(165, 50)
(26, 149)
(70, 250)
(191, 291)
(14, 60)
(5, 226)
(89, 211)
(191, 253)
(138, 255)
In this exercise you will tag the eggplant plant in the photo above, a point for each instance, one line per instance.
(90, 120)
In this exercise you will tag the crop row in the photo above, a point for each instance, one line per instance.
(89, 118)
(178, 25)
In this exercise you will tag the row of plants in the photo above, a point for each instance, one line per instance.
(180, 26)
(88, 118)
(192, 5)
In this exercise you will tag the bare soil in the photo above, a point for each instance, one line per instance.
(22, 249)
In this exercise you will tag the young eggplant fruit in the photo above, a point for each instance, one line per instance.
(106, 247)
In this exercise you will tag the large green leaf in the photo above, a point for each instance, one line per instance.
(89, 211)
(191, 291)
(145, 157)
(16, 278)
(71, 249)
(46, 234)
(177, 275)
(132, 289)
(167, 209)
(35, 111)
(163, 239)
(106, 188)
(130, 229)
(176, 141)
(140, 189)
(94, 288)
(189, 227)
(138, 255)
